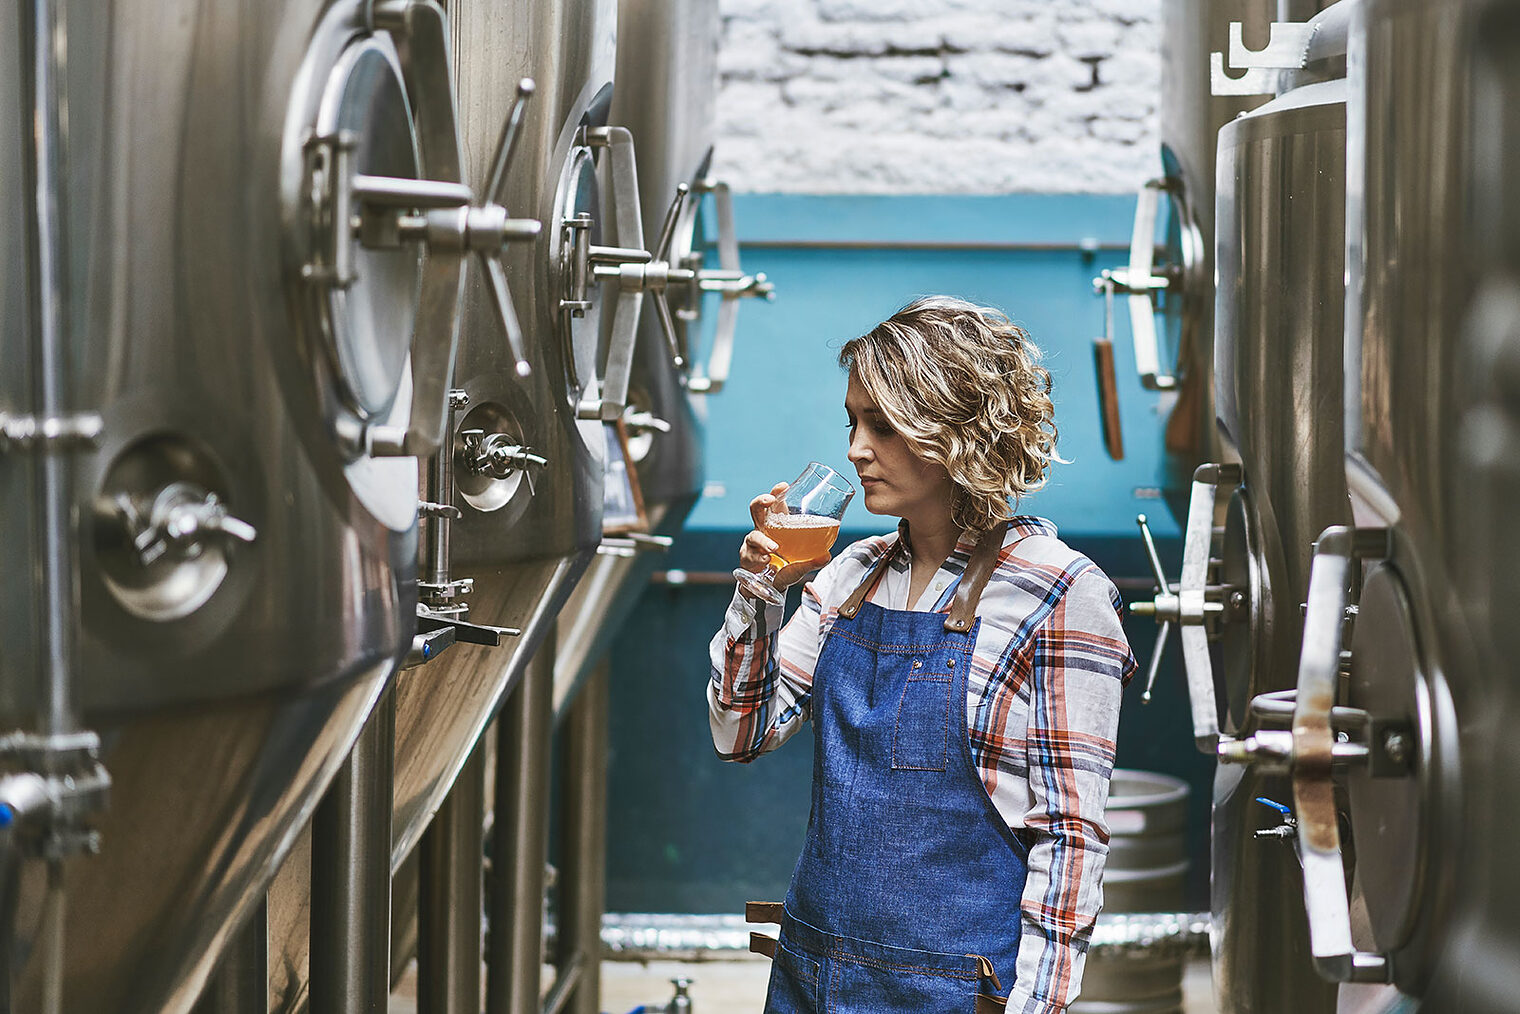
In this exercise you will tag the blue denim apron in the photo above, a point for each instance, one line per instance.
(906, 896)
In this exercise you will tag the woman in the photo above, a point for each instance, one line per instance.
(951, 851)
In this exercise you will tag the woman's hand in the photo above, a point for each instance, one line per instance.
(755, 552)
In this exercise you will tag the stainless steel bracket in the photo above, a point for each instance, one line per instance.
(1291, 46)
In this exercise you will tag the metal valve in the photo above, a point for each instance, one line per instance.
(637, 422)
(681, 1002)
(180, 520)
(496, 456)
(1288, 829)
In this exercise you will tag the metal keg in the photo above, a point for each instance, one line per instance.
(1147, 862)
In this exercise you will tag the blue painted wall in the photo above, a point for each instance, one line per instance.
(842, 264)
(689, 833)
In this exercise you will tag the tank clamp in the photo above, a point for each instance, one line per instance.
(78, 432)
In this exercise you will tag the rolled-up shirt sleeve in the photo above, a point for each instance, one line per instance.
(761, 689)
(1078, 662)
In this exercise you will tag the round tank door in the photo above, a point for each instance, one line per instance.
(380, 221)
(368, 284)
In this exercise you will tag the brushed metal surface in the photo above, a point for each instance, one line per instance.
(1478, 971)
(221, 725)
(665, 95)
(1409, 298)
(1278, 320)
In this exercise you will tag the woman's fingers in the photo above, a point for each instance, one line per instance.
(761, 505)
(755, 552)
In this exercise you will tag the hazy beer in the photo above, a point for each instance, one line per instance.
(800, 537)
(803, 524)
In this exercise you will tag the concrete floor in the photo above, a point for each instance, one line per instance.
(733, 987)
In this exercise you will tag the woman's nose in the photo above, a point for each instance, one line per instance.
(859, 449)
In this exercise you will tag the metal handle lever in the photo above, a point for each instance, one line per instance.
(496, 456)
(1311, 751)
(1192, 602)
(662, 255)
(452, 222)
(631, 252)
(180, 517)
(733, 284)
(644, 422)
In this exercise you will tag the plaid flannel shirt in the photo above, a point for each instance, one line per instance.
(1042, 713)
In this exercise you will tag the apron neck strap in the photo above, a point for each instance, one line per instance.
(863, 590)
(984, 560)
(979, 568)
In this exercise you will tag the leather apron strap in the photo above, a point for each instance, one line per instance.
(984, 560)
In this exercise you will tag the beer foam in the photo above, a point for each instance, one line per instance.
(799, 521)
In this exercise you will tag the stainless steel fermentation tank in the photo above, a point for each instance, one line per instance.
(246, 526)
(1278, 482)
(1478, 971)
(1357, 722)
(1278, 391)
(1384, 692)
(524, 454)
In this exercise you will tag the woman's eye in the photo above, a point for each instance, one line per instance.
(883, 430)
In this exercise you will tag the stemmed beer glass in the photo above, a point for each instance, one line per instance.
(804, 523)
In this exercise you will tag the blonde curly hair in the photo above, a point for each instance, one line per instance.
(964, 386)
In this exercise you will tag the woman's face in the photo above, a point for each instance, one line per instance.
(893, 479)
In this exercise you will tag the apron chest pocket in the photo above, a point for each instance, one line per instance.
(921, 741)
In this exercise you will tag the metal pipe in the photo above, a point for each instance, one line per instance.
(565, 986)
(520, 840)
(450, 896)
(583, 859)
(351, 876)
(42, 53)
(241, 983)
(440, 490)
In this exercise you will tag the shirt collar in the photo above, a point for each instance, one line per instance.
(1021, 526)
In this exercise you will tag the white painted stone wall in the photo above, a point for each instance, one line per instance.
(938, 96)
